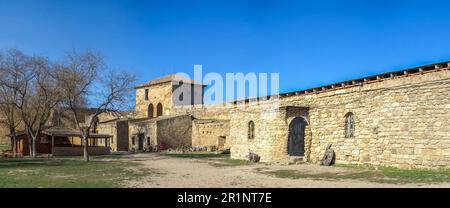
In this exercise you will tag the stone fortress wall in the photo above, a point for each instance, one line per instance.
(399, 121)
(400, 118)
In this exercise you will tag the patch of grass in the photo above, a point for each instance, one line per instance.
(419, 175)
(5, 147)
(294, 174)
(373, 174)
(217, 160)
(109, 156)
(228, 162)
(66, 172)
(196, 155)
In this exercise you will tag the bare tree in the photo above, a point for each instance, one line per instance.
(85, 75)
(33, 82)
(9, 114)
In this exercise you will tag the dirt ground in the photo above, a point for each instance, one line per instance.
(199, 173)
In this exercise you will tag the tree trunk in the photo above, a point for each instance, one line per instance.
(85, 149)
(14, 144)
(30, 146)
(34, 147)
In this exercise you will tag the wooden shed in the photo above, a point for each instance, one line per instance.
(59, 141)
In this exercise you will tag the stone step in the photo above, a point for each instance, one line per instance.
(296, 159)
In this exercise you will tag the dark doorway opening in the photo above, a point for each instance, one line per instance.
(296, 140)
(141, 142)
(221, 142)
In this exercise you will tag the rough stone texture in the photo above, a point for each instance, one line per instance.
(170, 95)
(146, 127)
(216, 112)
(403, 121)
(119, 131)
(209, 132)
(161, 93)
(175, 131)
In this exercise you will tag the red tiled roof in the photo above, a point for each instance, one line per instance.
(168, 78)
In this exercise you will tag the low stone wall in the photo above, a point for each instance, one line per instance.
(77, 151)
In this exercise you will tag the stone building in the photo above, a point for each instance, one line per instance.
(170, 113)
(400, 118)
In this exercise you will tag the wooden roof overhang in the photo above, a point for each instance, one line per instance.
(67, 133)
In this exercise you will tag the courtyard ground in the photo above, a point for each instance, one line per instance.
(203, 170)
(209, 170)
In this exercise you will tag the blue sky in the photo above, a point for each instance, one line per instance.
(310, 43)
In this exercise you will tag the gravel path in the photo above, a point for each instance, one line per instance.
(198, 173)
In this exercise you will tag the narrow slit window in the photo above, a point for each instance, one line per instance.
(251, 130)
(349, 125)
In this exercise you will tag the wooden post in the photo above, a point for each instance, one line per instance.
(53, 145)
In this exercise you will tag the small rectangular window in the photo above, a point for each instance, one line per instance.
(146, 94)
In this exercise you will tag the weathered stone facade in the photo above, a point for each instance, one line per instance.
(173, 131)
(400, 118)
(400, 121)
(211, 132)
(167, 92)
(118, 128)
(181, 120)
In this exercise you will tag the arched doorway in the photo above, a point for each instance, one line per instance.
(296, 139)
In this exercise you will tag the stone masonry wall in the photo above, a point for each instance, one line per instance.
(148, 128)
(111, 129)
(161, 93)
(175, 132)
(403, 121)
(218, 112)
(210, 133)
(119, 131)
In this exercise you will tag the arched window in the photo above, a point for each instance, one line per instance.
(133, 140)
(349, 125)
(150, 111)
(159, 110)
(251, 130)
(148, 141)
